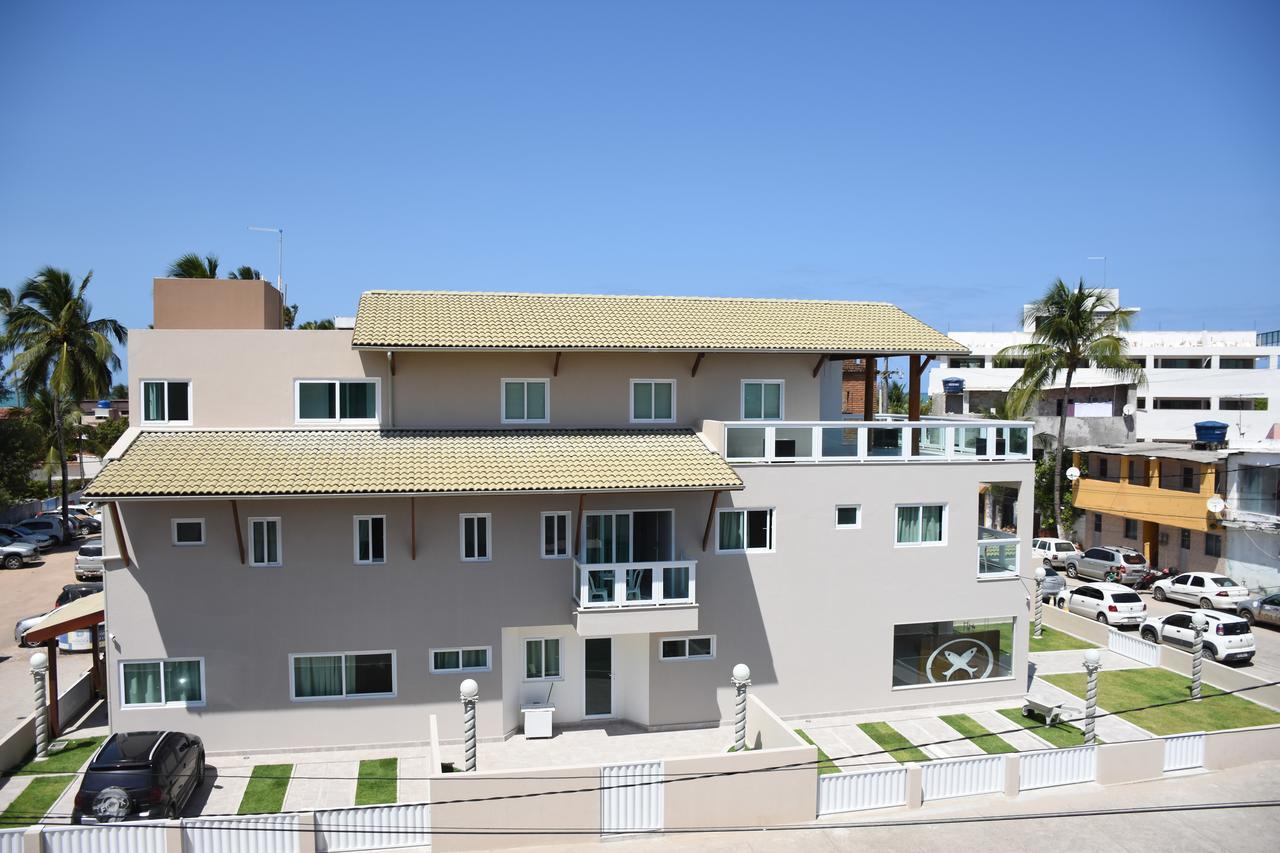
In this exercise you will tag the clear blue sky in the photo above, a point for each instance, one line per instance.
(951, 157)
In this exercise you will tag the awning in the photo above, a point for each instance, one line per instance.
(81, 613)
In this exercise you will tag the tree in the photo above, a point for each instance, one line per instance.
(60, 348)
(119, 391)
(317, 324)
(192, 265)
(289, 315)
(246, 274)
(1073, 328)
(105, 434)
(44, 413)
(20, 451)
(899, 401)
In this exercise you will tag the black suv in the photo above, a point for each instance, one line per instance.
(140, 774)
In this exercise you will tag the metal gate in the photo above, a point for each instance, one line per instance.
(631, 797)
(1058, 767)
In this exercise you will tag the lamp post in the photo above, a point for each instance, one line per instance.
(1039, 603)
(1199, 624)
(1092, 663)
(39, 666)
(468, 693)
(80, 437)
(741, 679)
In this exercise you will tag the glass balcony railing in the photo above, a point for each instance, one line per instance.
(610, 585)
(997, 553)
(877, 441)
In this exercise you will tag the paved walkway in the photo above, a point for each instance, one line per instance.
(1055, 663)
(926, 733)
(848, 740)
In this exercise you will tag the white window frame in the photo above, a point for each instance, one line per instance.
(631, 401)
(346, 697)
(173, 529)
(128, 706)
(488, 659)
(488, 537)
(355, 540)
(773, 529)
(782, 399)
(857, 524)
(337, 419)
(544, 641)
(279, 541)
(142, 398)
(946, 512)
(568, 535)
(686, 656)
(502, 400)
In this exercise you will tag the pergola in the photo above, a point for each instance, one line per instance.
(86, 612)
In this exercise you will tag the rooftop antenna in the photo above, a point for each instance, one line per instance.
(279, 232)
(1102, 258)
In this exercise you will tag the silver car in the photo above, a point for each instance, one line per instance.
(42, 541)
(1110, 563)
(1052, 585)
(15, 555)
(89, 561)
(1263, 610)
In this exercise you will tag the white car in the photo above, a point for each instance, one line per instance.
(1056, 552)
(1228, 637)
(1210, 591)
(1111, 603)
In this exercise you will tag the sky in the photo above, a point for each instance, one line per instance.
(953, 158)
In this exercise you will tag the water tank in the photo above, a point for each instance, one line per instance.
(1211, 432)
(953, 386)
(102, 410)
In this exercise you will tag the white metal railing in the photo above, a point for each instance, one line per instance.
(857, 790)
(876, 441)
(997, 553)
(606, 585)
(106, 838)
(1051, 767)
(1133, 647)
(1184, 752)
(632, 797)
(373, 827)
(276, 833)
(962, 777)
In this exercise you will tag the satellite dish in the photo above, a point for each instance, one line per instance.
(1129, 410)
(1073, 473)
(1216, 504)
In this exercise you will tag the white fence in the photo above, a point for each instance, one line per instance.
(259, 834)
(11, 840)
(1183, 752)
(373, 827)
(1058, 767)
(631, 797)
(963, 777)
(862, 789)
(113, 838)
(1133, 647)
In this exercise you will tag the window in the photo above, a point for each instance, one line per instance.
(555, 535)
(336, 401)
(343, 675)
(1138, 471)
(848, 516)
(525, 401)
(653, 400)
(952, 652)
(166, 401)
(1142, 404)
(178, 682)
(475, 539)
(1130, 528)
(1184, 540)
(1182, 363)
(1103, 466)
(541, 659)
(1180, 403)
(474, 659)
(741, 530)
(921, 524)
(687, 648)
(1228, 363)
(969, 361)
(264, 542)
(188, 531)
(1212, 545)
(1243, 404)
(1097, 522)
(632, 536)
(371, 538)
(762, 399)
(1188, 477)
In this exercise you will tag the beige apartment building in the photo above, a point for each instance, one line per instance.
(595, 503)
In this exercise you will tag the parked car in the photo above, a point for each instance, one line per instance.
(1053, 584)
(50, 526)
(1228, 637)
(1111, 603)
(42, 541)
(75, 641)
(81, 519)
(89, 561)
(1110, 563)
(15, 555)
(1055, 552)
(1211, 591)
(22, 626)
(140, 775)
(1263, 609)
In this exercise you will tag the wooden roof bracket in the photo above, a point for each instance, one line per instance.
(577, 526)
(817, 368)
(696, 362)
(711, 514)
(555, 368)
(114, 509)
(413, 528)
(235, 516)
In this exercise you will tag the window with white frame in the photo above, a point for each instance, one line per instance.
(555, 535)
(352, 401)
(653, 401)
(188, 531)
(166, 401)
(343, 675)
(371, 539)
(541, 659)
(921, 524)
(264, 542)
(849, 516)
(469, 659)
(742, 530)
(475, 536)
(177, 682)
(687, 648)
(762, 399)
(526, 401)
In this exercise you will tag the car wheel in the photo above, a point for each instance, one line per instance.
(1158, 593)
(1211, 653)
(1102, 617)
(1150, 636)
(1206, 604)
(12, 561)
(1248, 616)
(1062, 604)
(1071, 571)
(1048, 564)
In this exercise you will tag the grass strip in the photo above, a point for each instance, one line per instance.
(1057, 641)
(825, 764)
(978, 733)
(1137, 688)
(891, 741)
(68, 760)
(35, 799)
(1060, 735)
(377, 781)
(266, 789)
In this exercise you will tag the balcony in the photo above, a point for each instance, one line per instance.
(872, 442)
(997, 554)
(635, 598)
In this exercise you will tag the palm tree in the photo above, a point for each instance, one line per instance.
(245, 273)
(43, 412)
(318, 324)
(192, 265)
(1074, 328)
(60, 348)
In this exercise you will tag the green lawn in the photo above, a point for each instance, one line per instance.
(377, 781)
(68, 760)
(898, 747)
(1120, 690)
(978, 733)
(36, 799)
(825, 764)
(1060, 735)
(1057, 641)
(265, 792)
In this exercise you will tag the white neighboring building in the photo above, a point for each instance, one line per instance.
(1252, 516)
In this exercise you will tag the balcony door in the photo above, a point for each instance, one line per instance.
(598, 676)
(645, 536)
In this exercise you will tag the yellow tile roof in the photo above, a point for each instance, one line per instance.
(338, 462)
(457, 320)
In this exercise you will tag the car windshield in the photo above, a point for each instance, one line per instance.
(1125, 598)
(1066, 546)
(1134, 559)
(1224, 581)
(1233, 628)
